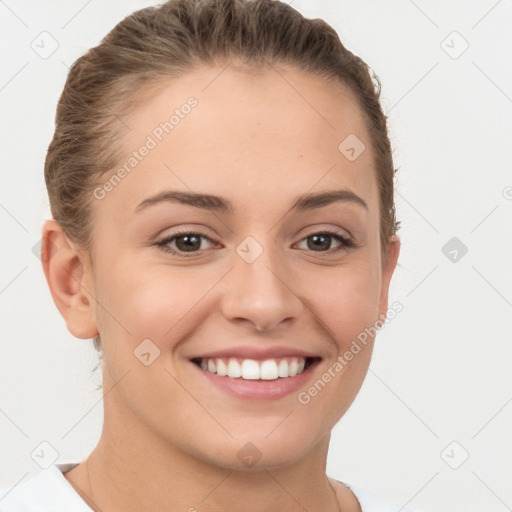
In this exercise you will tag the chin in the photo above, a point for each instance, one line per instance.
(257, 452)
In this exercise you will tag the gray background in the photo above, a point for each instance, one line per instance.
(439, 387)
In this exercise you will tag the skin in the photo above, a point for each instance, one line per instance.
(259, 142)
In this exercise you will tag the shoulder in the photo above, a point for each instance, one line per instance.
(372, 503)
(45, 492)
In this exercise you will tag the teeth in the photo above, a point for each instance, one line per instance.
(269, 370)
(234, 369)
(293, 368)
(221, 368)
(282, 369)
(250, 369)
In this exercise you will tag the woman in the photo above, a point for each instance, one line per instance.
(221, 186)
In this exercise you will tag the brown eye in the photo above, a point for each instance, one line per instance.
(188, 243)
(185, 242)
(322, 241)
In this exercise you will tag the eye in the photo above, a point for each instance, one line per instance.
(321, 241)
(187, 243)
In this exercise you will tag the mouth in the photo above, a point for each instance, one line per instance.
(267, 369)
(256, 373)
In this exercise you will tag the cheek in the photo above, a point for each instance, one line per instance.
(158, 303)
(346, 300)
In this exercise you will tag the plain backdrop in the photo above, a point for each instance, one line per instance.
(432, 424)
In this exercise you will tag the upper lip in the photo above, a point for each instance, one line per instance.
(247, 352)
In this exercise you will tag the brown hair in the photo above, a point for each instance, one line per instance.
(166, 41)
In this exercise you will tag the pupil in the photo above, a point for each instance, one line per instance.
(319, 238)
(191, 242)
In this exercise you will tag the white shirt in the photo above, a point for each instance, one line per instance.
(49, 491)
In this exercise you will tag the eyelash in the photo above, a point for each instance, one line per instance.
(346, 243)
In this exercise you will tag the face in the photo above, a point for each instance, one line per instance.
(257, 270)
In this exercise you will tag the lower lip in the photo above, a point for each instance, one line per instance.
(259, 389)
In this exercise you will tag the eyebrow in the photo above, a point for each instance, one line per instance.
(219, 204)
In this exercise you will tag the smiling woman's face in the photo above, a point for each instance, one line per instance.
(253, 277)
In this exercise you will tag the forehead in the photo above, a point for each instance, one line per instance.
(260, 135)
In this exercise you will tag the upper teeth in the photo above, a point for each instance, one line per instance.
(270, 369)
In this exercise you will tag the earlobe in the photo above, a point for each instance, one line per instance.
(67, 274)
(388, 268)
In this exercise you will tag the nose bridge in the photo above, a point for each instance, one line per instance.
(259, 290)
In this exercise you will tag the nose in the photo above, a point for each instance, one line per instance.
(261, 293)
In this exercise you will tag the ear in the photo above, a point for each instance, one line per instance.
(68, 274)
(388, 267)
